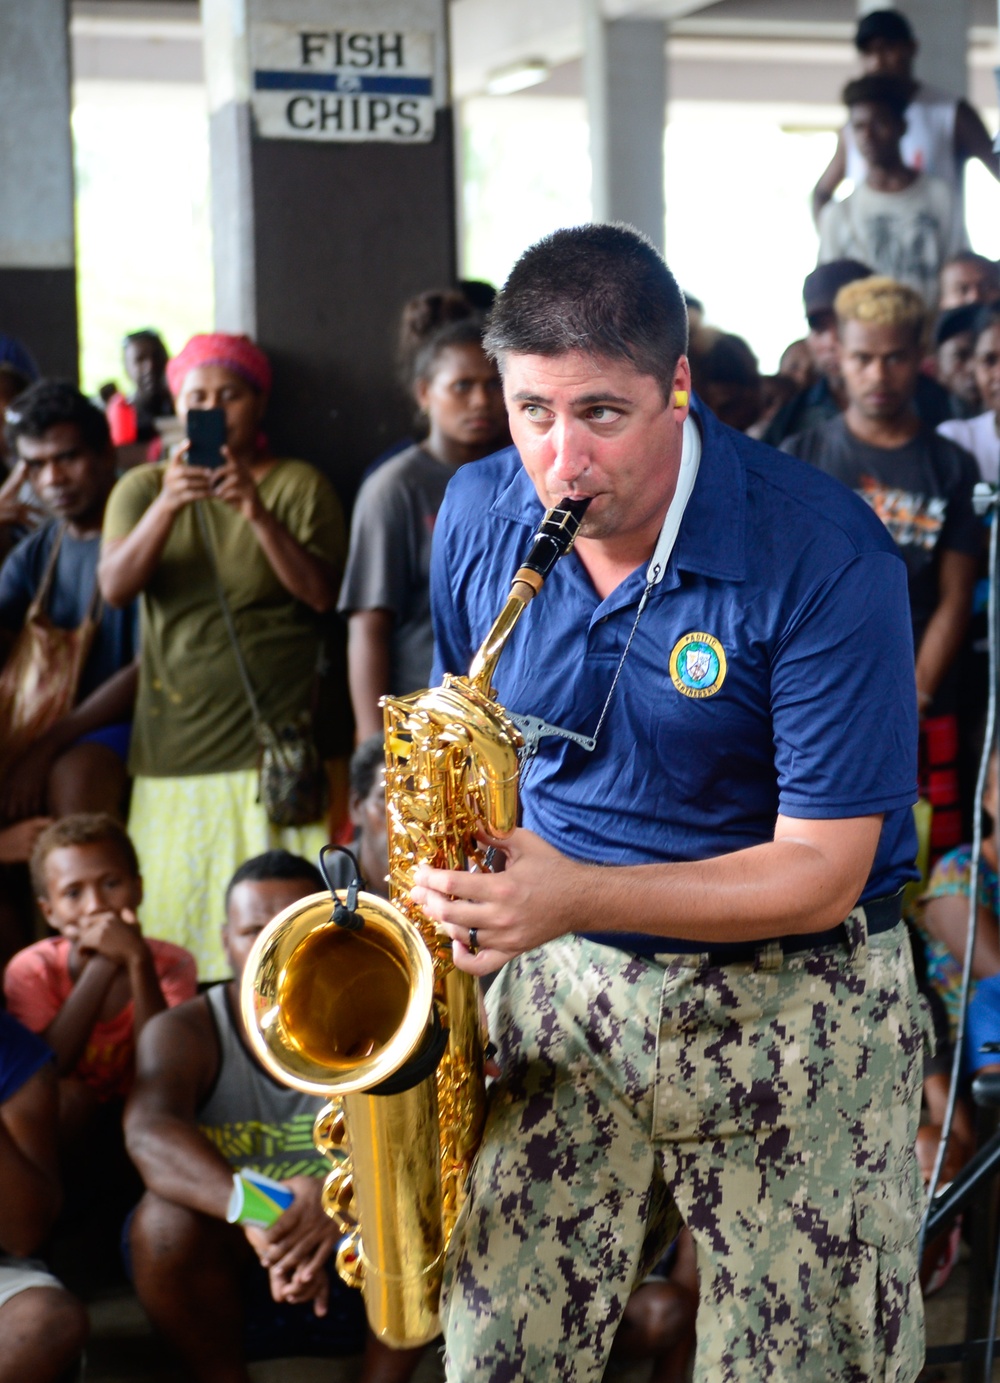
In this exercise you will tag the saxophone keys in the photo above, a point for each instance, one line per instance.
(350, 1265)
(337, 1198)
(330, 1130)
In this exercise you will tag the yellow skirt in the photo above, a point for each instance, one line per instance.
(191, 835)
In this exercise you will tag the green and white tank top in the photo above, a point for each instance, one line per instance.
(248, 1116)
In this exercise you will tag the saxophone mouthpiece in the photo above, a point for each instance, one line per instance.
(556, 535)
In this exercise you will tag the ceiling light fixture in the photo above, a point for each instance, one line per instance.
(518, 76)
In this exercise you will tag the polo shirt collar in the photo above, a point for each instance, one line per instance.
(712, 537)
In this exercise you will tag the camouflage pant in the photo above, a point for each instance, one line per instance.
(777, 1101)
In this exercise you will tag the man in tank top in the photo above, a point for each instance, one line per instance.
(905, 224)
(943, 132)
(203, 1110)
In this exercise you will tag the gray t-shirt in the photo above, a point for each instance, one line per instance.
(922, 492)
(907, 235)
(389, 562)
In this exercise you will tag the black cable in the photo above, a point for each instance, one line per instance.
(344, 914)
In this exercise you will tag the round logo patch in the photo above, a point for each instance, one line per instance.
(698, 665)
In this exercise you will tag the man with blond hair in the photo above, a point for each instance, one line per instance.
(920, 485)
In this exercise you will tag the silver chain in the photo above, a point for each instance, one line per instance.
(651, 579)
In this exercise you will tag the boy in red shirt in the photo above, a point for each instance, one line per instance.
(90, 990)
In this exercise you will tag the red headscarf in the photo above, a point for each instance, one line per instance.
(236, 353)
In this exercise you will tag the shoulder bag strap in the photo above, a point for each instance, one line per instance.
(227, 613)
(95, 609)
(41, 596)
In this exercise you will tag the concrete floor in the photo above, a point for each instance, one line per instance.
(123, 1348)
(945, 1316)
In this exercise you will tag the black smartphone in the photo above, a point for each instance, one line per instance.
(206, 430)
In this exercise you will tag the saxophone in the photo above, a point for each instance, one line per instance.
(366, 1008)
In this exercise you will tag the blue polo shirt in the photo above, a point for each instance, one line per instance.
(771, 671)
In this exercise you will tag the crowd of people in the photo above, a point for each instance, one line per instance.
(167, 614)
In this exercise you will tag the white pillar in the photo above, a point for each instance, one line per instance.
(625, 81)
(37, 243)
(942, 31)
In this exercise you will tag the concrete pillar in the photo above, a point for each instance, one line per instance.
(37, 248)
(942, 31)
(625, 82)
(332, 203)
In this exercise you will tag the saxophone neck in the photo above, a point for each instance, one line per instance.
(555, 537)
(484, 663)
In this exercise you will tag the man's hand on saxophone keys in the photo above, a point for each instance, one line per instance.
(533, 899)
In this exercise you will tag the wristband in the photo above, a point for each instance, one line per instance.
(256, 1199)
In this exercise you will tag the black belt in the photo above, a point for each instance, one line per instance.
(882, 914)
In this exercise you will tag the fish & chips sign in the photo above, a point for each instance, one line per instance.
(342, 84)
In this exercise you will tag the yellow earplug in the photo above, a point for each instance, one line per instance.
(680, 398)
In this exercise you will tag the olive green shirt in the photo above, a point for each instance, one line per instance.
(192, 714)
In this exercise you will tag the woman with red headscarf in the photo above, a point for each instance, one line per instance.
(276, 531)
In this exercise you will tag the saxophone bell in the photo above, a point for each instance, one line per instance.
(330, 1010)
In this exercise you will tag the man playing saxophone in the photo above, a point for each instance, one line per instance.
(707, 999)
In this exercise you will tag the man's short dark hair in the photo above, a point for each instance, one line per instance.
(16, 379)
(822, 284)
(366, 761)
(879, 89)
(600, 289)
(888, 25)
(956, 321)
(987, 316)
(274, 864)
(81, 828)
(728, 360)
(146, 337)
(971, 257)
(50, 403)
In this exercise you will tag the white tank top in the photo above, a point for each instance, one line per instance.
(929, 142)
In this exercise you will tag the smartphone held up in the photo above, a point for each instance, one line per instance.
(206, 430)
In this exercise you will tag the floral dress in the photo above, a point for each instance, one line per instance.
(952, 875)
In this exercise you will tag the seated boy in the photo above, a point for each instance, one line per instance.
(90, 991)
(42, 1326)
(203, 1110)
